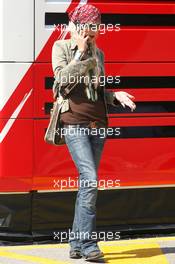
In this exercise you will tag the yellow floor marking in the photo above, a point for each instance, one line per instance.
(65, 245)
(33, 259)
(137, 254)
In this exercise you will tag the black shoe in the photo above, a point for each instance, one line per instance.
(94, 255)
(75, 254)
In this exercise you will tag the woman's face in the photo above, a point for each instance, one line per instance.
(91, 30)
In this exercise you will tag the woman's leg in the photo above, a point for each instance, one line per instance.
(86, 158)
(97, 144)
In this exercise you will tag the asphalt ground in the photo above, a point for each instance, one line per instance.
(159, 250)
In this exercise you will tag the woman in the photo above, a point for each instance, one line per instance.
(85, 109)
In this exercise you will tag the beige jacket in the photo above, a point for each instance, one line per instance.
(63, 52)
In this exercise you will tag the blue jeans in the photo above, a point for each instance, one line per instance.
(85, 150)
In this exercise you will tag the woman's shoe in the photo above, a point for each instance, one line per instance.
(75, 254)
(94, 255)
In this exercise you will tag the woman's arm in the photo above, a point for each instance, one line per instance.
(120, 97)
(64, 71)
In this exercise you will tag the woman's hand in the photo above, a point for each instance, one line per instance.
(124, 99)
(81, 40)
